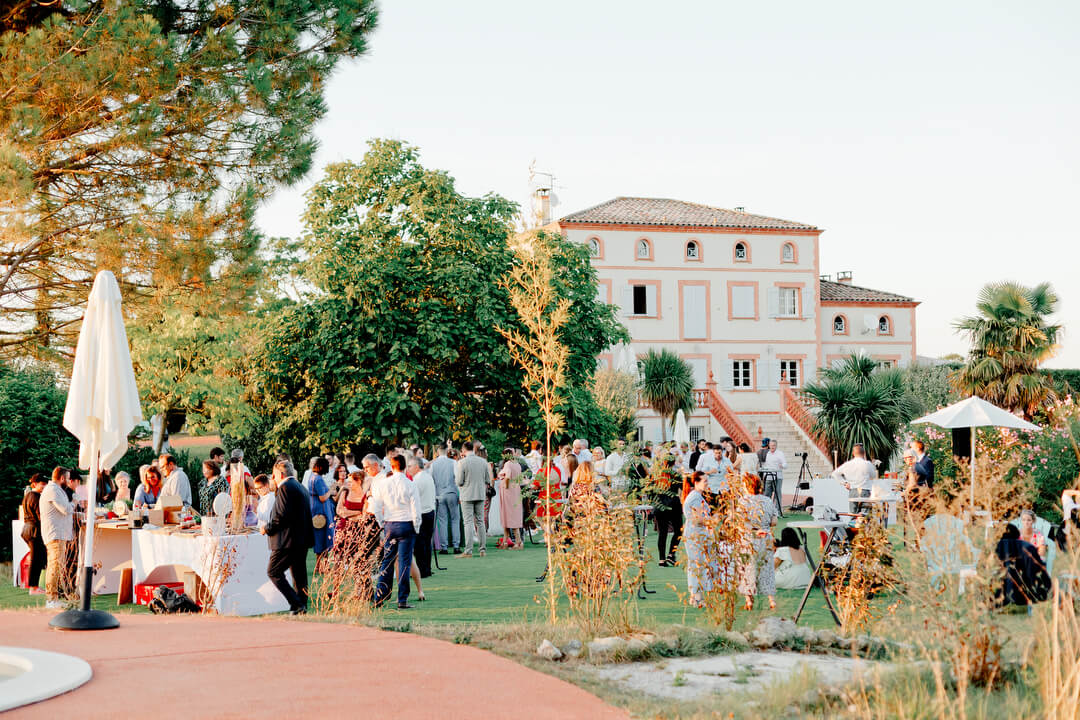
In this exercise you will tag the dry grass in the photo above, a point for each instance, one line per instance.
(343, 586)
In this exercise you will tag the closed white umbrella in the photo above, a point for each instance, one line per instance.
(102, 409)
(972, 413)
(681, 431)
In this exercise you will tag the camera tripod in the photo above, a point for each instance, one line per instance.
(801, 484)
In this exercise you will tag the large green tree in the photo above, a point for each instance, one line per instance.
(861, 402)
(1011, 336)
(398, 337)
(138, 136)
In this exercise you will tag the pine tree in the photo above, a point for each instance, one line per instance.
(139, 135)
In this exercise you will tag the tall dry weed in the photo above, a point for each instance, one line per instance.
(344, 586)
(598, 562)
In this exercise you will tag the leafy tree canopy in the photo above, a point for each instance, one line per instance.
(667, 384)
(398, 339)
(138, 135)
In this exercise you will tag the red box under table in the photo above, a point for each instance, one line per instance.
(144, 592)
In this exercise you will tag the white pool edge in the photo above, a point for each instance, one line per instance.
(47, 674)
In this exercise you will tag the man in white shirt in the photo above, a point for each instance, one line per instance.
(582, 452)
(395, 503)
(264, 488)
(715, 466)
(775, 462)
(57, 514)
(176, 480)
(857, 474)
(613, 466)
(425, 486)
(350, 463)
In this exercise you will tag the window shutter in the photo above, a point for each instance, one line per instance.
(726, 374)
(628, 301)
(774, 302)
(870, 323)
(807, 303)
(650, 300)
(768, 374)
(693, 305)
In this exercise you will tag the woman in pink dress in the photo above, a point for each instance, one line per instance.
(510, 503)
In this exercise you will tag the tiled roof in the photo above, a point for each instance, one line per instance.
(843, 292)
(658, 211)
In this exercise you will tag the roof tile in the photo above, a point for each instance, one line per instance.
(841, 292)
(660, 211)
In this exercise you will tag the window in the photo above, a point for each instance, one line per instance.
(697, 432)
(594, 247)
(743, 301)
(886, 363)
(644, 249)
(641, 303)
(741, 253)
(789, 370)
(742, 377)
(692, 251)
(789, 302)
(788, 253)
(839, 325)
(640, 299)
(883, 325)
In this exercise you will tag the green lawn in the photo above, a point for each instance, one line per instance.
(502, 588)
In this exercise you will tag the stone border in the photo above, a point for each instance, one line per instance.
(45, 675)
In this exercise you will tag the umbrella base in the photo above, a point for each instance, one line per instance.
(84, 620)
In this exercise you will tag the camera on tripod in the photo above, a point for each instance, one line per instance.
(801, 455)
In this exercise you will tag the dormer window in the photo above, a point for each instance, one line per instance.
(788, 253)
(839, 325)
(693, 252)
(884, 327)
(742, 254)
(644, 249)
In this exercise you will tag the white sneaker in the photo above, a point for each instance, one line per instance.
(55, 605)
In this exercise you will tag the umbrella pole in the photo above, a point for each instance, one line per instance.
(972, 468)
(84, 618)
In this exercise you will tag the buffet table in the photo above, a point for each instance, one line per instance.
(112, 553)
(160, 556)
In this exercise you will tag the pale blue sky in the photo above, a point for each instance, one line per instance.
(936, 143)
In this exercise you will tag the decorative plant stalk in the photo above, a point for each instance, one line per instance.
(539, 351)
(219, 561)
(343, 586)
(726, 549)
(238, 493)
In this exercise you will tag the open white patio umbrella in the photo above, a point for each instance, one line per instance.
(972, 413)
(681, 431)
(102, 408)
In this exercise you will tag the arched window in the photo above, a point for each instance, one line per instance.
(839, 325)
(742, 252)
(884, 325)
(693, 250)
(788, 253)
(595, 248)
(644, 249)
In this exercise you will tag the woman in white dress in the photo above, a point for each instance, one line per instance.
(792, 569)
(747, 462)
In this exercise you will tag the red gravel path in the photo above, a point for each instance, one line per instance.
(280, 668)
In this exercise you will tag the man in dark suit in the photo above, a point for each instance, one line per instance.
(291, 536)
(924, 466)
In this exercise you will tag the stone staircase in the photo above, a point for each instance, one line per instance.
(791, 439)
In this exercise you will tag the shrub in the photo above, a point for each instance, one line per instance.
(32, 436)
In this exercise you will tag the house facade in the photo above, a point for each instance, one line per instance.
(741, 297)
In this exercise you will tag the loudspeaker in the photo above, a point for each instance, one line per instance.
(961, 442)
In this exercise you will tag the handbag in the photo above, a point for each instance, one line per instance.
(318, 521)
(490, 491)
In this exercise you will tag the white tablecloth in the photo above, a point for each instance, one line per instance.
(112, 553)
(156, 557)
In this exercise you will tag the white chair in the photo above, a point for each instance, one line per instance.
(948, 550)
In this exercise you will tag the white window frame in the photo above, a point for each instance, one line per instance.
(647, 246)
(787, 254)
(745, 252)
(742, 374)
(842, 328)
(789, 365)
(693, 250)
(594, 247)
(884, 327)
(697, 432)
(788, 309)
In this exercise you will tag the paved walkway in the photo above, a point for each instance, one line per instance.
(206, 667)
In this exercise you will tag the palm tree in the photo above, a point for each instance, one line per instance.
(1010, 338)
(667, 385)
(861, 402)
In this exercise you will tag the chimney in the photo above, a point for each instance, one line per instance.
(827, 278)
(543, 196)
(844, 276)
(740, 208)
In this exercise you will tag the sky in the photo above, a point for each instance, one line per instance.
(936, 143)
